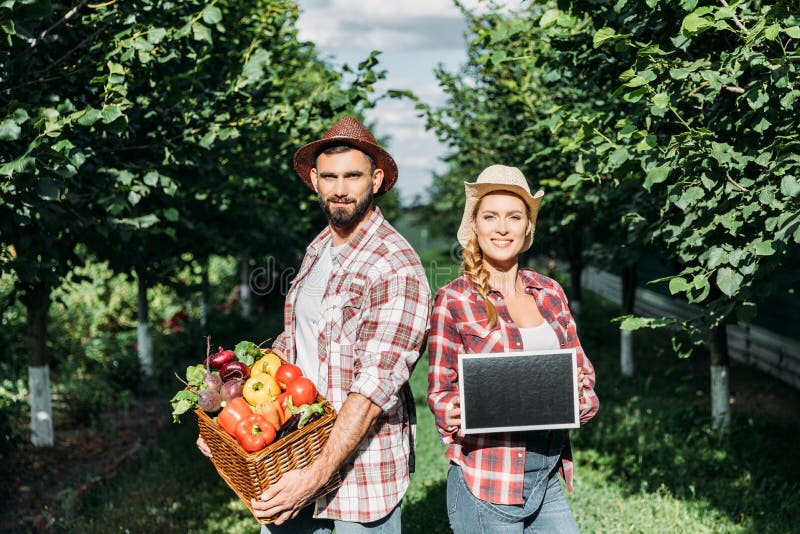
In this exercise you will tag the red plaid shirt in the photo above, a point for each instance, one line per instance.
(375, 314)
(493, 464)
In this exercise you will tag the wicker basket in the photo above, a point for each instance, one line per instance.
(250, 474)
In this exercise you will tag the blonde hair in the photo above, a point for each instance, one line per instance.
(479, 277)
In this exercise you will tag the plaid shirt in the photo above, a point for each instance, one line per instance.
(375, 314)
(493, 464)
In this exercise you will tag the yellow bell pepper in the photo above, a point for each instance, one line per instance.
(268, 364)
(260, 389)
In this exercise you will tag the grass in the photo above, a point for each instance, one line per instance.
(646, 463)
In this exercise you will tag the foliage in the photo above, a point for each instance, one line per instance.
(13, 411)
(661, 125)
(647, 461)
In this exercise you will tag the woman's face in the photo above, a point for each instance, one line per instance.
(501, 224)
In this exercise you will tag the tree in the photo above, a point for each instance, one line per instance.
(110, 110)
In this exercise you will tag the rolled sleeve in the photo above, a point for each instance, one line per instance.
(443, 349)
(391, 338)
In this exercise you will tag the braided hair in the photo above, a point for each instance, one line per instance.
(476, 272)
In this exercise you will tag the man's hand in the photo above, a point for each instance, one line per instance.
(203, 446)
(290, 494)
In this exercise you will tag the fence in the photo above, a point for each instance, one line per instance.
(776, 355)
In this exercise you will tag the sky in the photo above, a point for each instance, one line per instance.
(414, 37)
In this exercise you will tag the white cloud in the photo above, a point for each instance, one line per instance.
(414, 36)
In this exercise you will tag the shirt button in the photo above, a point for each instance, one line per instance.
(519, 455)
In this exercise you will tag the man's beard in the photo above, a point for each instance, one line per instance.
(342, 217)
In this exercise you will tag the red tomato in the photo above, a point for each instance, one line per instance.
(286, 373)
(302, 390)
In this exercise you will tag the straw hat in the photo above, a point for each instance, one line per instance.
(498, 178)
(347, 130)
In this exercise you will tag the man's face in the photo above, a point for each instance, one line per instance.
(345, 186)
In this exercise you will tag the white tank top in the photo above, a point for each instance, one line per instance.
(541, 337)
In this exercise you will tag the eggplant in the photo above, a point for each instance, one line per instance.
(301, 416)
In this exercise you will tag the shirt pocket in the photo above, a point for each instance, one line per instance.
(477, 337)
(347, 309)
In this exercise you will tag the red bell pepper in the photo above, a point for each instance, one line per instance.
(255, 432)
(235, 411)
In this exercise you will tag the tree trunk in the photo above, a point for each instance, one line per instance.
(37, 302)
(144, 341)
(628, 301)
(204, 285)
(245, 295)
(575, 252)
(720, 382)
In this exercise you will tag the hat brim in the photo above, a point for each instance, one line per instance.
(305, 159)
(476, 191)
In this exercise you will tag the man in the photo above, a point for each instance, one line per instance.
(355, 320)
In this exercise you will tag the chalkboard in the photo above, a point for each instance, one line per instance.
(516, 391)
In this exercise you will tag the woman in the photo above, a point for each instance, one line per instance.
(502, 482)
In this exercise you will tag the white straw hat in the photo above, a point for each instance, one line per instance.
(498, 178)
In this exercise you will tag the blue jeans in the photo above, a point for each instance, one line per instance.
(545, 508)
(305, 523)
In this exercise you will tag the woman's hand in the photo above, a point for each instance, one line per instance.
(582, 381)
(453, 417)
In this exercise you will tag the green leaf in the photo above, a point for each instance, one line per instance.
(793, 32)
(9, 130)
(201, 33)
(771, 32)
(619, 156)
(729, 281)
(89, 117)
(661, 100)
(212, 15)
(716, 257)
(635, 323)
(151, 178)
(656, 175)
(689, 196)
(678, 73)
(603, 35)
(764, 248)
(550, 17)
(695, 23)
(636, 81)
(790, 186)
(171, 214)
(156, 35)
(762, 125)
(195, 374)
(678, 285)
(138, 222)
(111, 113)
(247, 352)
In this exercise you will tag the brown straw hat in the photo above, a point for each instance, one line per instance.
(347, 130)
(498, 178)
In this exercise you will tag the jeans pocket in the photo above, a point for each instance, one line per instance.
(454, 484)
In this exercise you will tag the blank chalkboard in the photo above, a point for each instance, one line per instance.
(516, 391)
